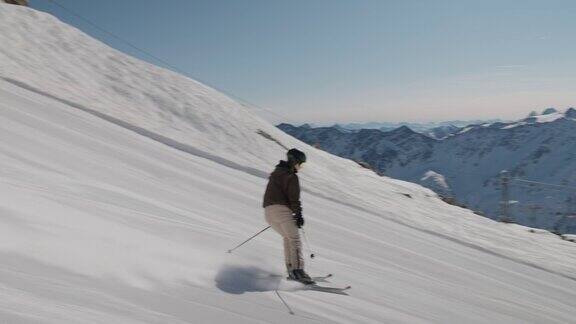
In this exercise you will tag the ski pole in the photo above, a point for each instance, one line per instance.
(307, 243)
(253, 236)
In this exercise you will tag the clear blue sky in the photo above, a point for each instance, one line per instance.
(357, 60)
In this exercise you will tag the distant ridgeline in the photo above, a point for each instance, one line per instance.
(465, 164)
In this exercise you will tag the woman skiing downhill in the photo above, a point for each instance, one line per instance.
(283, 211)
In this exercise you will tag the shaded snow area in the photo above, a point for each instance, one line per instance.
(122, 185)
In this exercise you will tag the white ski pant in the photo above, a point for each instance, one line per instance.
(280, 218)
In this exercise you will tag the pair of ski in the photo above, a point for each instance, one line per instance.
(317, 287)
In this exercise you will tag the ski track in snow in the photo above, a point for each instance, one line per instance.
(191, 150)
(251, 287)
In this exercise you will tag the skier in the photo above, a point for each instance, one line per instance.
(283, 211)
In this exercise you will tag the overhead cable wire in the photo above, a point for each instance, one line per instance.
(129, 44)
(538, 189)
(544, 183)
(245, 103)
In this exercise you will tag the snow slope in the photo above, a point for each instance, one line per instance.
(122, 184)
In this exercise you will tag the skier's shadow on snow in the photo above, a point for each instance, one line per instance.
(235, 279)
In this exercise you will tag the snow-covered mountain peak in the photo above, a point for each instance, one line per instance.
(548, 116)
(402, 130)
(549, 111)
(570, 113)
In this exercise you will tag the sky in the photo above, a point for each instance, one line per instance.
(324, 61)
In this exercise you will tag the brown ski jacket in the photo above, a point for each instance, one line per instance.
(283, 188)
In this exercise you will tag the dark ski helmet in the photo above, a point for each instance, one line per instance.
(295, 156)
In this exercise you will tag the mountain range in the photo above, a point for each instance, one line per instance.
(537, 152)
(418, 127)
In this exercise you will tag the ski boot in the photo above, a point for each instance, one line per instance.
(300, 276)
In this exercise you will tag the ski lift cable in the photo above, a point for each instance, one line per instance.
(544, 183)
(539, 188)
(497, 176)
(245, 103)
(129, 44)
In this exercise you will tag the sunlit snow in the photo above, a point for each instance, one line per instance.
(123, 184)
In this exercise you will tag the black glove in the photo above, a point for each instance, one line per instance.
(298, 219)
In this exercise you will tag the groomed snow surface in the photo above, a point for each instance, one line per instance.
(122, 185)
